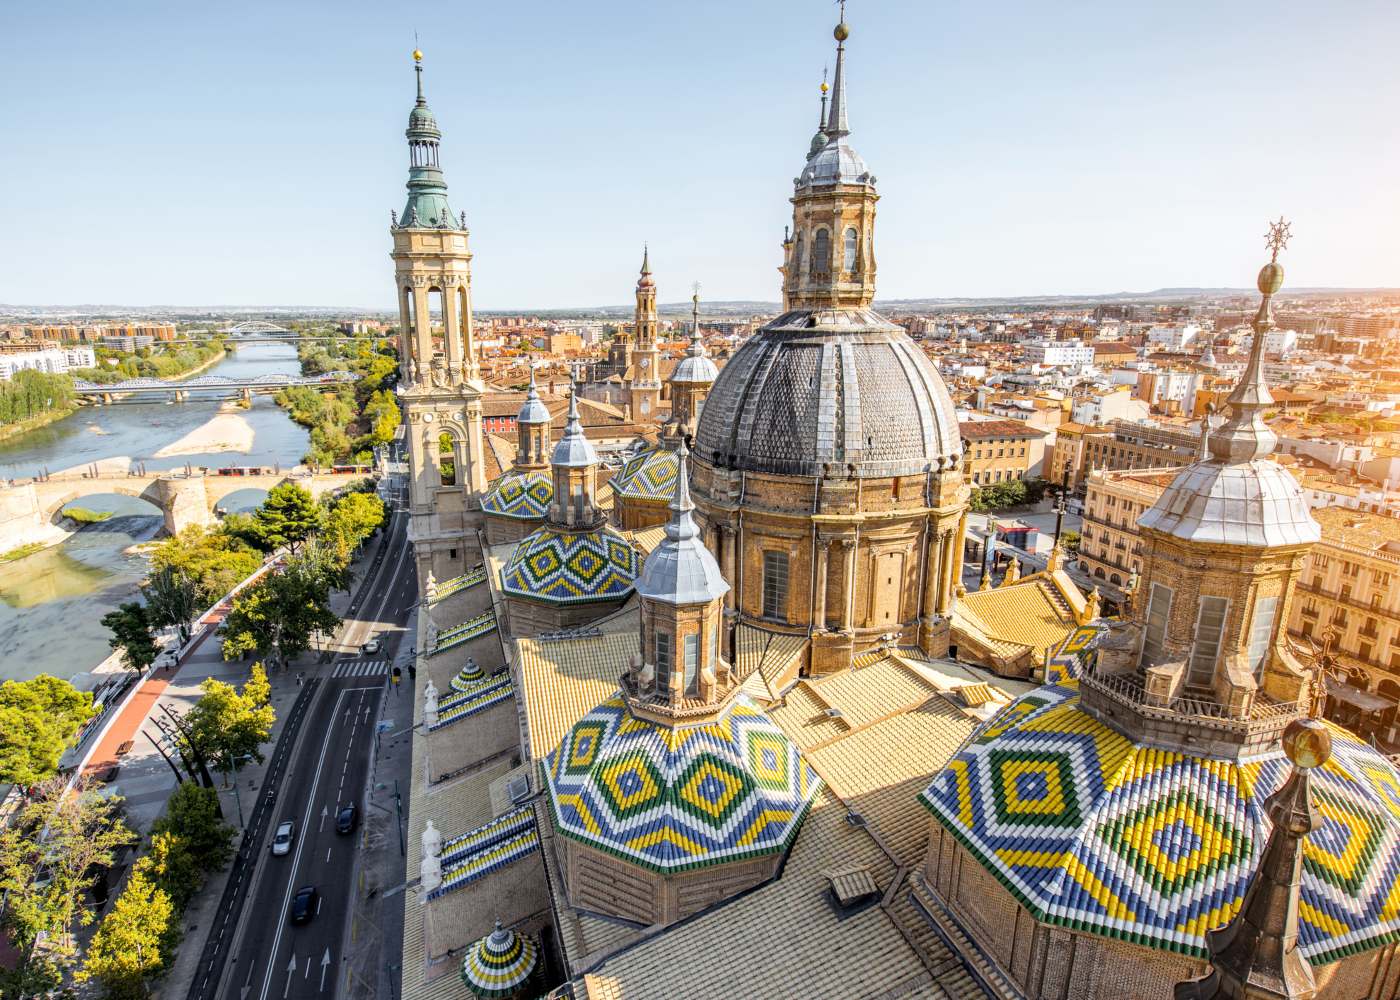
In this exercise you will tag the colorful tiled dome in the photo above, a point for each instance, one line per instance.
(521, 495)
(672, 799)
(498, 964)
(649, 476)
(571, 567)
(1094, 832)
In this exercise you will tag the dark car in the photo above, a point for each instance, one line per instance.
(347, 819)
(305, 904)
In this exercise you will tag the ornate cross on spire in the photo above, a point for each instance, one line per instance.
(1277, 237)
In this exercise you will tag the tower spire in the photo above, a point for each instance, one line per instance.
(1244, 436)
(836, 123)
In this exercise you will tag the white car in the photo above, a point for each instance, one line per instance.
(282, 839)
(370, 647)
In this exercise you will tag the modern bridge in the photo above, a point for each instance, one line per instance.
(181, 388)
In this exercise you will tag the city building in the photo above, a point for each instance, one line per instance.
(1175, 338)
(51, 359)
(998, 450)
(1060, 354)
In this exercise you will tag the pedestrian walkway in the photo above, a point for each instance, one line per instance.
(361, 668)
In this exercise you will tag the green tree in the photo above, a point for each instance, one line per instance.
(175, 866)
(135, 940)
(130, 626)
(352, 519)
(51, 853)
(276, 617)
(228, 724)
(287, 517)
(172, 599)
(192, 817)
(1070, 540)
(38, 718)
(216, 559)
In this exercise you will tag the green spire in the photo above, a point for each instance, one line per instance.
(427, 206)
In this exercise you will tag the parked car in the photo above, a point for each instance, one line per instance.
(282, 839)
(371, 647)
(347, 819)
(304, 904)
(106, 772)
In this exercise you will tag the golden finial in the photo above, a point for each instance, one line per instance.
(824, 86)
(1307, 743)
(842, 31)
(417, 55)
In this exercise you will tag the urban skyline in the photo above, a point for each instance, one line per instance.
(1037, 159)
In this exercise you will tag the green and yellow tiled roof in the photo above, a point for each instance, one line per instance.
(672, 799)
(1094, 832)
(521, 495)
(649, 476)
(565, 567)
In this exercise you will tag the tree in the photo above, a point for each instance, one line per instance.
(227, 724)
(353, 518)
(51, 853)
(38, 717)
(135, 939)
(172, 598)
(192, 817)
(130, 626)
(175, 867)
(287, 517)
(276, 617)
(1070, 540)
(216, 559)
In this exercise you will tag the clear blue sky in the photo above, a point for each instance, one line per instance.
(250, 152)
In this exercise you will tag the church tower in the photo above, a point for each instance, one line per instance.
(439, 373)
(830, 256)
(645, 387)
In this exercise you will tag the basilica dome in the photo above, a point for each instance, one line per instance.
(830, 392)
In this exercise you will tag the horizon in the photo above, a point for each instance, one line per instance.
(1009, 168)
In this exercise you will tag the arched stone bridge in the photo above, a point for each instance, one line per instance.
(29, 507)
(109, 391)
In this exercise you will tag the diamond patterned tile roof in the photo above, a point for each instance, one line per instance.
(649, 476)
(571, 567)
(522, 495)
(673, 799)
(1091, 831)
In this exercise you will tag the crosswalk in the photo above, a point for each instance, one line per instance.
(361, 668)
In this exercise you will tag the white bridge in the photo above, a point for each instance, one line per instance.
(110, 391)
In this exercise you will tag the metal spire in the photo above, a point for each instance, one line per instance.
(418, 69)
(682, 525)
(1244, 436)
(821, 120)
(646, 259)
(836, 124)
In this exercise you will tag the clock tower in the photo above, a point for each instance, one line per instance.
(439, 377)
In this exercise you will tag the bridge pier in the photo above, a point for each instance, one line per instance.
(181, 395)
(183, 502)
(247, 396)
(107, 398)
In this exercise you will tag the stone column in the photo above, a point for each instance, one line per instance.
(848, 593)
(933, 572)
(945, 571)
(405, 336)
(451, 342)
(422, 332)
(823, 553)
(726, 537)
(471, 367)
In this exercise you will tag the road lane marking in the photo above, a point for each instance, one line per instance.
(296, 859)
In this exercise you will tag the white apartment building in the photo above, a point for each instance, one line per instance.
(1059, 353)
(54, 361)
(1174, 338)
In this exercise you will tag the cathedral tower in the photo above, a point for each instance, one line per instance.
(645, 388)
(439, 374)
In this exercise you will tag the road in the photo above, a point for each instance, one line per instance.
(328, 767)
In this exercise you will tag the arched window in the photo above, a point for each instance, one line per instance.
(797, 258)
(447, 459)
(852, 241)
(821, 256)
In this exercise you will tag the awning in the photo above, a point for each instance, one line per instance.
(1364, 701)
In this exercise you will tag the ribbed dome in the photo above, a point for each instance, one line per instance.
(1256, 503)
(840, 391)
(834, 163)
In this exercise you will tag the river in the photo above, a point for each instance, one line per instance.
(51, 603)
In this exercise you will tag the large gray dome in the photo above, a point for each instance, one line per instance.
(834, 392)
(1256, 503)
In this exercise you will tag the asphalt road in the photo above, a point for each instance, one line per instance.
(328, 768)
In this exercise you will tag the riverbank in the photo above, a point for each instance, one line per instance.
(21, 427)
(227, 430)
(205, 366)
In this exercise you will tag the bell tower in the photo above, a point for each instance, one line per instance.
(439, 374)
(645, 388)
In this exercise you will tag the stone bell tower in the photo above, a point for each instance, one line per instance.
(644, 392)
(439, 376)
